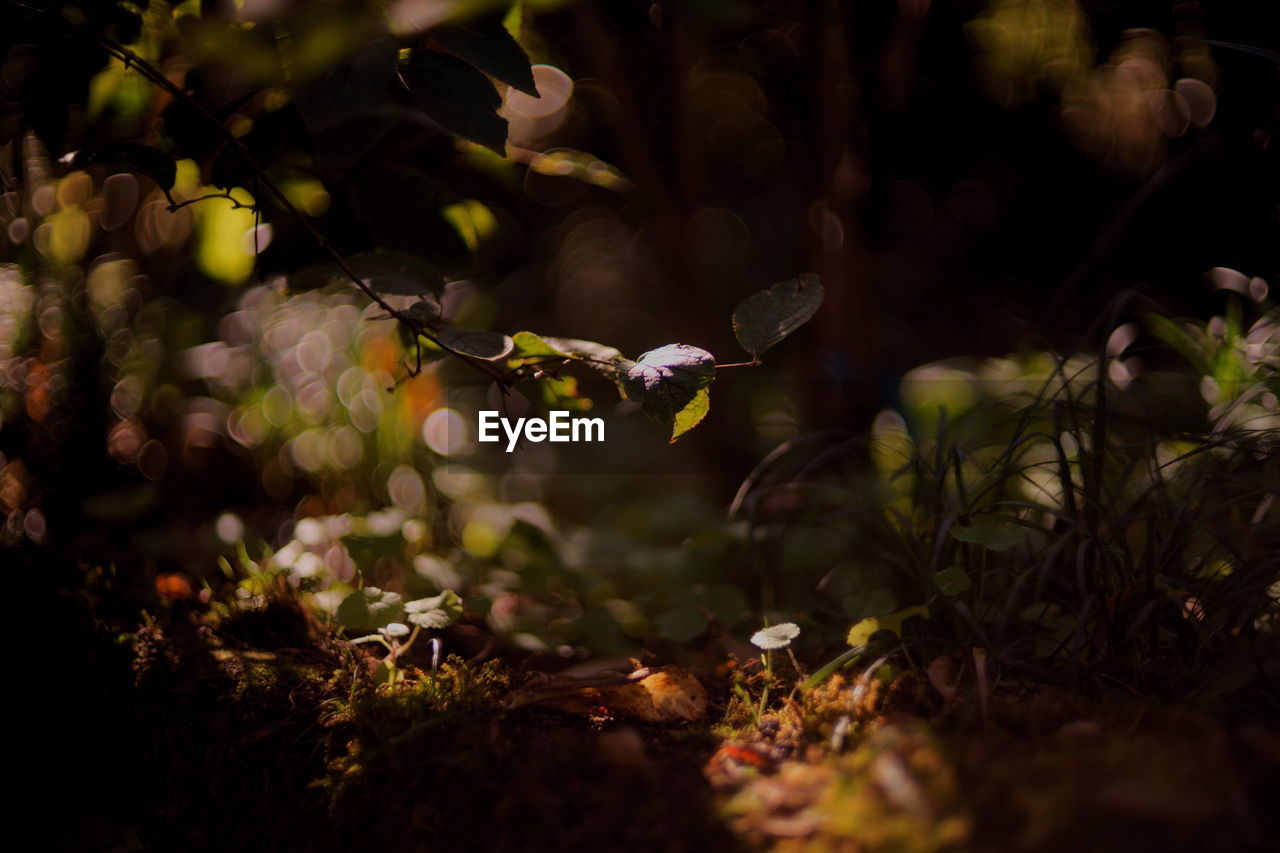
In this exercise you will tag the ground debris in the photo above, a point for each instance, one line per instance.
(460, 758)
(668, 694)
(893, 791)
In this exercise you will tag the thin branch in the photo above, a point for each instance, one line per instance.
(236, 204)
(566, 357)
(129, 58)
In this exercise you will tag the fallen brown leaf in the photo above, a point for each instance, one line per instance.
(652, 694)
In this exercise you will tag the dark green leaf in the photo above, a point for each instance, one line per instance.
(354, 87)
(490, 346)
(725, 601)
(136, 158)
(438, 611)
(670, 383)
(990, 532)
(368, 549)
(369, 609)
(952, 581)
(875, 601)
(457, 97)
(681, 623)
(769, 316)
(486, 44)
(426, 310)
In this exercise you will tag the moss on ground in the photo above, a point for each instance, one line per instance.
(268, 733)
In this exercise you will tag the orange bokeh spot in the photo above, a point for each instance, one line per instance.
(38, 399)
(172, 587)
(380, 354)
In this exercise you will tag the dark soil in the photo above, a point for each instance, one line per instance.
(266, 733)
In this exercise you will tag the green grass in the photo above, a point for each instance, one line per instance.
(1081, 525)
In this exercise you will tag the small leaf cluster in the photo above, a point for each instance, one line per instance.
(371, 609)
(671, 384)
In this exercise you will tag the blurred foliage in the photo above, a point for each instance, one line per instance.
(1107, 517)
(211, 212)
(263, 262)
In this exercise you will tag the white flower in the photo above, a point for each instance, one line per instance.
(414, 530)
(776, 636)
(383, 522)
(309, 532)
(337, 526)
(308, 565)
(288, 555)
(229, 527)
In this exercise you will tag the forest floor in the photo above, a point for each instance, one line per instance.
(266, 734)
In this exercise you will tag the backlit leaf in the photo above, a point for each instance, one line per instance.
(692, 414)
(554, 393)
(667, 381)
(438, 611)
(528, 345)
(860, 634)
(369, 609)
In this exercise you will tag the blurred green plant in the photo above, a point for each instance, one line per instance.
(1022, 501)
(323, 76)
(1111, 518)
(380, 611)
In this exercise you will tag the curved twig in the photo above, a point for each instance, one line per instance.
(236, 204)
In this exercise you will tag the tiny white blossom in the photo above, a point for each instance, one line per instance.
(309, 531)
(288, 555)
(384, 522)
(308, 565)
